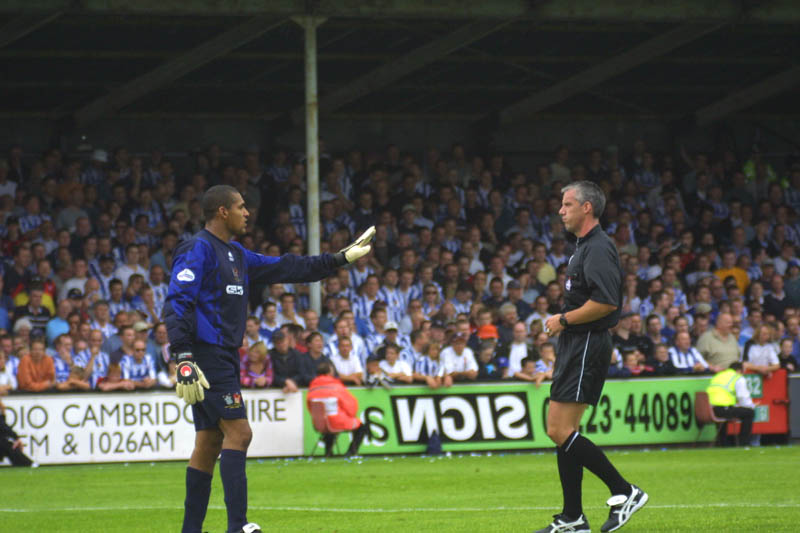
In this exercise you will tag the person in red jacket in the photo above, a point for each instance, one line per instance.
(341, 408)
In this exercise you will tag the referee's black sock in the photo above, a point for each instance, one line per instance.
(198, 490)
(571, 474)
(587, 454)
(234, 484)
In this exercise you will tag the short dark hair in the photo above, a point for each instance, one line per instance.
(324, 368)
(216, 197)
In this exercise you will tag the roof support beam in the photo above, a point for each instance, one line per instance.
(396, 69)
(25, 24)
(745, 98)
(604, 71)
(175, 69)
(773, 11)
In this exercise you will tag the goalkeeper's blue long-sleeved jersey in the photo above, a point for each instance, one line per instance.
(208, 290)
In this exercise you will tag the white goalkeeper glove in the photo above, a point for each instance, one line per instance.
(360, 247)
(190, 381)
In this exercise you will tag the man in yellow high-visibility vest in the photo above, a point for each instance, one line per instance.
(730, 398)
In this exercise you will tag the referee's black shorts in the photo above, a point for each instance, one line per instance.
(581, 366)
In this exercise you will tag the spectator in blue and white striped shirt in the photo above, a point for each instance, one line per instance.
(140, 368)
(94, 360)
(29, 222)
(429, 368)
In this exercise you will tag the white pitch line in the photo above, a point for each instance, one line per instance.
(399, 510)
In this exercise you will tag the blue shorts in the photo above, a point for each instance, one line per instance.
(224, 397)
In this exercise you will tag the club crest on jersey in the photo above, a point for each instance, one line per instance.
(230, 257)
(232, 400)
(236, 274)
(185, 275)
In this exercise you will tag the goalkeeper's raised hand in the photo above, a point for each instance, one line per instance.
(190, 380)
(360, 247)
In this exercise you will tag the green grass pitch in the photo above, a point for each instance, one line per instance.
(718, 490)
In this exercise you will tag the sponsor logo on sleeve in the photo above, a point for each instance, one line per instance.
(185, 275)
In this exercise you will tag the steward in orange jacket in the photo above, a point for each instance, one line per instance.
(341, 408)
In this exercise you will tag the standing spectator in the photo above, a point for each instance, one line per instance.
(131, 266)
(36, 371)
(719, 346)
(140, 367)
(256, 369)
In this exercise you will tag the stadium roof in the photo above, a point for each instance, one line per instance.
(507, 60)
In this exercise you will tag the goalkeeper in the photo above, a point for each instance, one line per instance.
(205, 313)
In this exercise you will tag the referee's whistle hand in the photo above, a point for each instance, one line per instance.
(553, 326)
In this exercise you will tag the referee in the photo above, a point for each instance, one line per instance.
(205, 313)
(593, 297)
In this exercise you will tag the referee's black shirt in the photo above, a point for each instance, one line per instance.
(594, 273)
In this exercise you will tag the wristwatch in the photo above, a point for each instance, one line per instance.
(563, 320)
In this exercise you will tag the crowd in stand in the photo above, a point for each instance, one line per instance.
(467, 264)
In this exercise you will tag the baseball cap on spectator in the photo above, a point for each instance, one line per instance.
(278, 336)
(463, 287)
(74, 294)
(100, 155)
(437, 324)
(488, 331)
(391, 325)
(768, 261)
(794, 263)
(626, 314)
(409, 207)
(141, 326)
(106, 257)
(702, 308)
(459, 337)
(513, 284)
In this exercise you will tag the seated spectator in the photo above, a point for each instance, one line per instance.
(488, 367)
(395, 368)
(94, 360)
(341, 408)
(428, 367)
(347, 365)
(36, 371)
(256, 370)
(546, 363)
(75, 380)
(63, 363)
(662, 362)
(290, 369)
(760, 354)
(252, 333)
(787, 360)
(374, 374)
(459, 361)
(686, 358)
(113, 380)
(139, 368)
